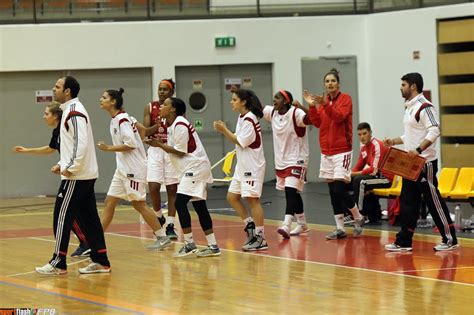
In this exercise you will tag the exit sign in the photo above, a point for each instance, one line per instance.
(225, 41)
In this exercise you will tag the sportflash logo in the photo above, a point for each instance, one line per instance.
(27, 311)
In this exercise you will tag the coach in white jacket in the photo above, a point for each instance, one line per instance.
(76, 196)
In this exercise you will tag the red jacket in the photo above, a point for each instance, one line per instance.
(335, 124)
(371, 155)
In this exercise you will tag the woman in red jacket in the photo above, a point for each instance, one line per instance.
(332, 114)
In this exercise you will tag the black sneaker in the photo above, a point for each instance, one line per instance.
(82, 251)
(170, 232)
(250, 230)
(162, 220)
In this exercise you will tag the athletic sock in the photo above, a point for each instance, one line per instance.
(340, 221)
(211, 239)
(189, 237)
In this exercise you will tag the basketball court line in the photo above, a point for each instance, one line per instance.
(434, 269)
(48, 240)
(393, 273)
(29, 272)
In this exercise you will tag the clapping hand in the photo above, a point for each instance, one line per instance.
(153, 142)
(101, 145)
(220, 126)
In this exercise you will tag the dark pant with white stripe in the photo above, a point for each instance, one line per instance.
(76, 202)
(410, 202)
(363, 183)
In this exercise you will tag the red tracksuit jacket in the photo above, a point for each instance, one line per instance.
(372, 155)
(335, 124)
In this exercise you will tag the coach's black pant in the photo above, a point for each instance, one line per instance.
(410, 202)
(76, 201)
(369, 205)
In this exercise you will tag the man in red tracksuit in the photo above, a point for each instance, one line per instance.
(332, 114)
(366, 174)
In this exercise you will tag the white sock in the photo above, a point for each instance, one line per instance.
(189, 237)
(355, 213)
(260, 230)
(339, 221)
(211, 239)
(288, 220)
(159, 213)
(160, 232)
(300, 218)
(169, 220)
(248, 220)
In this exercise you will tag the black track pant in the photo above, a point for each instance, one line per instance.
(368, 204)
(410, 202)
(76, 202)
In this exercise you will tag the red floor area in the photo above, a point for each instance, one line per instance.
(365, 252)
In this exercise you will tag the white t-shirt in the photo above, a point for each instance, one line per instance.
(250, 157)
(195, 163)
(290, 137)
(130, 164)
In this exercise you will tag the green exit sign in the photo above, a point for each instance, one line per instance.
(225, 41)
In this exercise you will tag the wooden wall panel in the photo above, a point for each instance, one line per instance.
(456, 31)
(456, 63)
(460, 94)
(457, 125)
(461, 155)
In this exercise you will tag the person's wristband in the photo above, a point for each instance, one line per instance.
(419, 150)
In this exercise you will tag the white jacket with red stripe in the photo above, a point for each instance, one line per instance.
(77, 142)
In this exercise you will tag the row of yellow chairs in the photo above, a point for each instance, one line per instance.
(453, 184)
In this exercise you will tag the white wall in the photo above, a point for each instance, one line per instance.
(392, 39)
(164, 45)
(383, 44)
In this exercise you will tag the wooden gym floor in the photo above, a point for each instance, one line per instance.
(303, 275)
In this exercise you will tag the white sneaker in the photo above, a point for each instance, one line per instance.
(445, 247)
(94, 268)
(300, 229)
(161, 243)
(49, 269)
(397, 248)
(284, 231)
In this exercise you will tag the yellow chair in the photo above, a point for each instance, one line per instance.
(464, 184)
(387, 192)
(397, 190)
(228, 159)
(446, 180)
